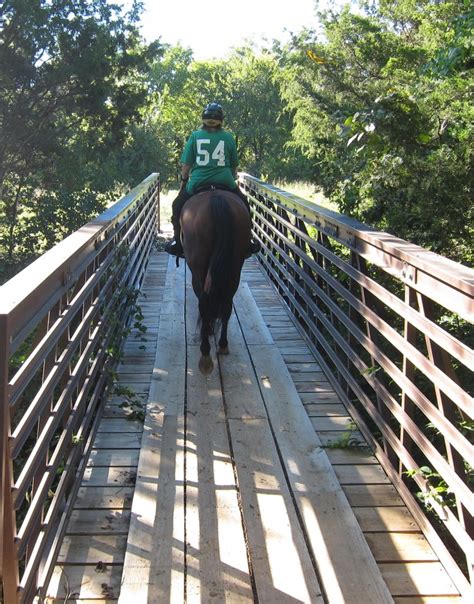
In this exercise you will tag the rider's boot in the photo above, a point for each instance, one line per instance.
(254, 248)
(175, 247)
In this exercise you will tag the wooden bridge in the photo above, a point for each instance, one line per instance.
(289, 474)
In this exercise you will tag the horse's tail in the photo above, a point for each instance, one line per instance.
(219, 274)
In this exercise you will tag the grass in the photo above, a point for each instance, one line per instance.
(166, 199)
(307, 191)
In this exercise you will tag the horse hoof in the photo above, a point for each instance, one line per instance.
(223, 350)
(206, 365)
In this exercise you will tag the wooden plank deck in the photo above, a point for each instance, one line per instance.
(236, 488)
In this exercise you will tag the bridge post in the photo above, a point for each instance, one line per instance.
(9, 577)
(158, 207)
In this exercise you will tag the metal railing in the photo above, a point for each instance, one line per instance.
(61, 324)
(389, 322)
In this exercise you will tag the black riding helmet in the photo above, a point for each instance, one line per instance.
(213, 111)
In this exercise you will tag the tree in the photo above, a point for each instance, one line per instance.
(247, 85)
(72, 79)
(258, 115)
(390, 136)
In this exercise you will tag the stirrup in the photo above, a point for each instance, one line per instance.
(254, 248)
(174, 249)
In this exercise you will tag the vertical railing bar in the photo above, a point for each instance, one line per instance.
(9, 574)
(408, 369)
(366, 298)
(45, 413)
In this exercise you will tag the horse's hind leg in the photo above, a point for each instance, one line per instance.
(205, 362)
(223, 344)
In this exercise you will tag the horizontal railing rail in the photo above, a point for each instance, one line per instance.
(391, 325)
(62, 320)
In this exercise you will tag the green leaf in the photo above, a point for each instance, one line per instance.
(424, 137)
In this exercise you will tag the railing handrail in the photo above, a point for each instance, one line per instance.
(62, 262)
(352, 233)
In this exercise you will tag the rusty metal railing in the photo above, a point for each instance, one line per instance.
(390, 323)
(61, 324)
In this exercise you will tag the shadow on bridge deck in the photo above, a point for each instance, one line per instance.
(238, 487)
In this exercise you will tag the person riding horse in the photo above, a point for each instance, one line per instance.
(209, 160)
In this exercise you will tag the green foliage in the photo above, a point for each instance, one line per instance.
(248, 87)
(72, 85)
(373, 109)
(348, 439)
(436, 490)
(133, 406)
(385, 117)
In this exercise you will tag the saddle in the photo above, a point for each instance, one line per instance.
(212, 187)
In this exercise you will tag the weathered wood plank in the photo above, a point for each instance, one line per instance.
(372, 495)
(145, 364)
(338, 438)
(109, 476)
(296, 347)
(120, 425)
(254, 329)
(101, 550)
(303, 368)
(136, 387)
(276, 543)
(397, 547)
(319, 397)
(341, 423)
(418, 579)
(393, 518)
(286, 334)
(351, 456)
(277, 322)
(240, 381)
(122, 411)
(304, 376)
(114, 440)
(141, 357)
(217, 565)
(330, 524)
(154, 560)
(113, 457)
(324, 409)
(317, 387)
(103, 522)
(291, 357)
(356, 474)
(84, 582)
(101, 498)
(124, 399)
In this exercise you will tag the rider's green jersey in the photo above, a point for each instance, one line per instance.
(212, 157)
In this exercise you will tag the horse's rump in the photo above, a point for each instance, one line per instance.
(216, 234)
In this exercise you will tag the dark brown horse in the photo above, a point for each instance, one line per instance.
(215, 231)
